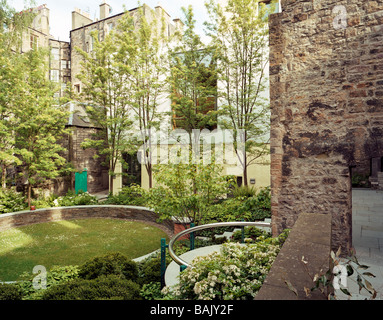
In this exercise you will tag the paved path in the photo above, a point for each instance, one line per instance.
(367, 239)
(173, 270)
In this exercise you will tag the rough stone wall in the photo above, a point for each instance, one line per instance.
(327, 107)
(87, 158)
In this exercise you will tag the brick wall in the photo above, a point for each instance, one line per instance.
(24, 218)
(327, 107)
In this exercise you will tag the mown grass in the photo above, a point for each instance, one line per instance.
(72, 243)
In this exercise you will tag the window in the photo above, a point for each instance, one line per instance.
(63, 87)
(55, 52)
(77, 88)
(55, 75)
(65, 64)
(110, 27)
(34, 41)
(91, 41)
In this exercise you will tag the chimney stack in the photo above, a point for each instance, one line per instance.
(104, 10)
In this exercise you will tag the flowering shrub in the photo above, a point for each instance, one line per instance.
(73, 199)
(236, 273)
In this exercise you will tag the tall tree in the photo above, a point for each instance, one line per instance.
(193, 79)
(239, 31)
(12, 26)
(40, 122)
(107, 96)
(142, 44)
(193, 91)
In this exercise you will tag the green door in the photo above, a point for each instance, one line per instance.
(81, 181)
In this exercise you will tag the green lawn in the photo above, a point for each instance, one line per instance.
(72, 243)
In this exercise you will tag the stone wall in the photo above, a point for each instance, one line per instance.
(18, 219)
(310, 240)
(87, 158)
(326, 77)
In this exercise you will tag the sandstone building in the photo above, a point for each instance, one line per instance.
(83, 26)
(38, 35)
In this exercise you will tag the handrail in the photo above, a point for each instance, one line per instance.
(181, 262)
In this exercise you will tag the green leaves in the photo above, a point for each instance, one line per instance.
(241, 43)
(193, 79)
(325, 281)
(38, 123)
(187, 190)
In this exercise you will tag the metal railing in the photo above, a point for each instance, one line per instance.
(185, 264)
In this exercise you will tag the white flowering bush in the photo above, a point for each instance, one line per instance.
(236, 273)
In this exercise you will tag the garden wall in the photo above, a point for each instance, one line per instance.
(23, 218)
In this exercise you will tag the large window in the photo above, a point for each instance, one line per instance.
(110, 27)
(55, 52)
(34, 41)
(55, 75)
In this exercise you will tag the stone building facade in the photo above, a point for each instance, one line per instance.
(83, 26)
(85, 159)
(38, 35)
(326, 85)
(60, 64)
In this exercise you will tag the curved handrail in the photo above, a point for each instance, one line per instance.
(181, 262)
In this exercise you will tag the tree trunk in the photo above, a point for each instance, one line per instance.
(245, 176)
(29, 195)
(111, 183)
(4, 177)
(150, 174)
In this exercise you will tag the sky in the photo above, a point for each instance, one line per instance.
(61, 11)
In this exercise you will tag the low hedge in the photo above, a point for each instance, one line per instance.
(110, 287)
(110, 264)
(9, 292)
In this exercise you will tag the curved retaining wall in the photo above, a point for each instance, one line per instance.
(24, 218)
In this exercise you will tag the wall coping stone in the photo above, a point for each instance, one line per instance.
(310, 239)
(75, 207)
(45, 215)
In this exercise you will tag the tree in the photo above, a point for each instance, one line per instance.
(188, 190)
(12, 25)
(193, 90)
(193, 79)
(107, 96)
(141, 53)
(239, 32)
(40, 123)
